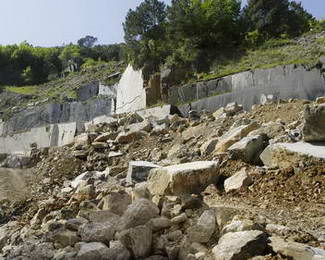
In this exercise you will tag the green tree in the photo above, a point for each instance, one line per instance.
(144, 34)
(272, 18)
(71, 57)
(87, 41)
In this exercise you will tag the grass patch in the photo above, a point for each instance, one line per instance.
(28, 90)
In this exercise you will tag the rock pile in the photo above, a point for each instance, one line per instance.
(225, 186)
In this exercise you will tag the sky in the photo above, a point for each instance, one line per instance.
(58, 22)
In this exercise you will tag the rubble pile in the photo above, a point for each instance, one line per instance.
(228, 185)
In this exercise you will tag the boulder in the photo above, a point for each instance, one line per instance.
(314, 123)
(117, 251)
(209, 146)
(270, 129)
(129, 137)
(204, 228)
(240, 245)
(105, 137)
(138, 213)
(97, 232)
(183, 178)
(233, 108)
(234, 135)
(81, 140)
(86, 176)
(145, 126)
(294, 250)
(219, 113)
(138, 240)
(63, 237)
(157, 224)
(284, 155)
(249, 148)
(139, 170)
(101, 216)
(237, 181)
(117, 202)
(240, 225)
(91, 251)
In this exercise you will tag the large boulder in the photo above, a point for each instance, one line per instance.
(139, 170)
(294, 250)
(314, 124)
(270, 129)
(183, 178)
(237, 181)
(90, 251)
(116, 202)
(249, 148)
(138, 213)
(138, 240)
(240, 245)
(234, 135)
(286, 154)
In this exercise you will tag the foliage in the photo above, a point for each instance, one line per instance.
(87, 41)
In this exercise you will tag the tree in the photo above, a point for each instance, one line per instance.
(71, 57)
(144, 34)
(275, 17)
(87, 41)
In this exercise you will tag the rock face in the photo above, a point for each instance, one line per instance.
(314, 125)
(237, 181)
(285, 154)
(295, 250)
(183, 178)
(240, 245)
(139, 170)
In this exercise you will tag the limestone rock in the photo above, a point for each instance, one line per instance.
(249, 148)
(138, 213)
(139, 170)
(183, 178)
(129, 137)
(86, 176)
(138, 240)
(117, 251)
(145, 126)
(320, 100)
(238, 180)
(81, 140)
(225, 215)
(233, 108)
(240, 245)
(314, 124)
(295, 250)
(64, 237)
(270, 129)
(116, 202)
(218, 114)
(209, 146)
(286, 154)
(105, 137)
(204, 228)
(240, 225)
(101, 216)
(97, 232)
(91, 251)
(234, 135)
(159, 223)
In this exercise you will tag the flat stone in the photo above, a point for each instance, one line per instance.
(185, 178)
(139, 170)
(296, 250)
(286, 154)
(237, 181)
(240, 245)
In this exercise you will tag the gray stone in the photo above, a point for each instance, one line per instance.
(138, 240)
(295, 250)
(234, 135)
(91, 251)
(159, 223)
(117, 251)
(97, 232)
(204, 228)
(64, 237)
(286, 154)
(117, 202)
(240, 245)
(249, 148)
(237, 181)
(138, 213)
(240, 225)
(139, 170)
(183, 178)
(314, 124)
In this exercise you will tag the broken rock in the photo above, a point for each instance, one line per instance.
(237, 181)
(183, 178)
(139, 170)
(314, 124)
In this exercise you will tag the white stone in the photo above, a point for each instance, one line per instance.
(238, 180)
